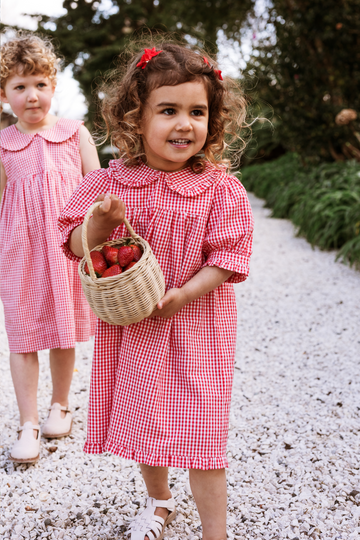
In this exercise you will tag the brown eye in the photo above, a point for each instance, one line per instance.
(169, 112)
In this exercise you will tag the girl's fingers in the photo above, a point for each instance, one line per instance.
(106, 204)
(165, 300)
(110, 202)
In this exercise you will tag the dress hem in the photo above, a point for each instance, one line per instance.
(54, 345)
(182, 462)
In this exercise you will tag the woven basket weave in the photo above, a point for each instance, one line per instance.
(129, 297)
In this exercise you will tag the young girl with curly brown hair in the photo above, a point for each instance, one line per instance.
(161, 388)
(43, 159)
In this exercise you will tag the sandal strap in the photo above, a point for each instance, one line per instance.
(147, 526)
(156, 503)
(64, 409)
(147, 523)
(155, 526)
(33, 426)
(150, 533)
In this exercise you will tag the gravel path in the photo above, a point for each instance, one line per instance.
(294, 427)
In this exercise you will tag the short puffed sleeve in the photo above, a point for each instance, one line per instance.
(94, 183)
(229, 232)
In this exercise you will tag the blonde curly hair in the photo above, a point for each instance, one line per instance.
(126, 91)
(28, 54)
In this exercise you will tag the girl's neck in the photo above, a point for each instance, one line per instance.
(46, 123)
(166, 167)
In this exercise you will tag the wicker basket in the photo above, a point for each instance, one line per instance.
(129, 297)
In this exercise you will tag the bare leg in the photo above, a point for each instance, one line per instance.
(62, 363)
(156, 480)
(209, 490)
(25, 375)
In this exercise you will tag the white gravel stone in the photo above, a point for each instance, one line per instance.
(294, 426)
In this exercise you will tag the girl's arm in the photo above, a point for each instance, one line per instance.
(206, 280)
(89, 156)
(3, 179)
(105, 219)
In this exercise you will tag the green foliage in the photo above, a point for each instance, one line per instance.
(91, 39)
(308, 69)
(322, 201)
(264, 143)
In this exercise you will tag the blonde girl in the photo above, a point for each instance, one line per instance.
(43, 159)
(161, 388)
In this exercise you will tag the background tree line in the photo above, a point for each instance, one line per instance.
(303, 71)
(303, 75)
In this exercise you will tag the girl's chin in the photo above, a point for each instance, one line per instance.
(34, 118)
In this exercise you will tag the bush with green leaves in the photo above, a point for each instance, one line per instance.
(322, 201)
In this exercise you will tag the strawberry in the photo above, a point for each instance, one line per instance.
(126, 255)
(111, 254)
(137, 252)
(99, 263)
(130, 265)
(113, 270)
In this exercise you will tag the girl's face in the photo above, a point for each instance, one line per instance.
(174, 125)
(29, 97)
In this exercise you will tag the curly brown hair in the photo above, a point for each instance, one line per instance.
(28, 54)
(127, 89)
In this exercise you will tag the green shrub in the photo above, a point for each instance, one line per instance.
(323, 201)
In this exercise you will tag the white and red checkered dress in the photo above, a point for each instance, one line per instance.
(160, 389)
(44, 305)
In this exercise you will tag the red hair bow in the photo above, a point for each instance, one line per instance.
(147, 56)
(216, 71)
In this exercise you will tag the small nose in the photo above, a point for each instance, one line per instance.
(184, 123)
(31, 94)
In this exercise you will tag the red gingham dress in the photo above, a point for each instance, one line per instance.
(160, 389)
(44, 305)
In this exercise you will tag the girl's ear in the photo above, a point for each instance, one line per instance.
(3, 97)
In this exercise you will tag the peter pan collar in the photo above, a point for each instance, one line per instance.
(12, 139)
(184, 182)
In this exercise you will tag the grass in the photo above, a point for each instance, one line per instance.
(322, 201)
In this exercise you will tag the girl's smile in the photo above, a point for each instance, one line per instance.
(30, 99)
(174, 125)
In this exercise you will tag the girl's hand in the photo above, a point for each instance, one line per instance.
(110, 214)
(171, 303)
(206, 280)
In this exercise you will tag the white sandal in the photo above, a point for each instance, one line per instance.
(150, 525)
(27, 448)
(55, 426)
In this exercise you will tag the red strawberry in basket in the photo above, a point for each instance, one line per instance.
(125, 256)
(99, 263)
(113, 270)
(130, 265)
(137, 252)
(111, 254)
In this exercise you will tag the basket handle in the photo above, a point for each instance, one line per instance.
(85, 245)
